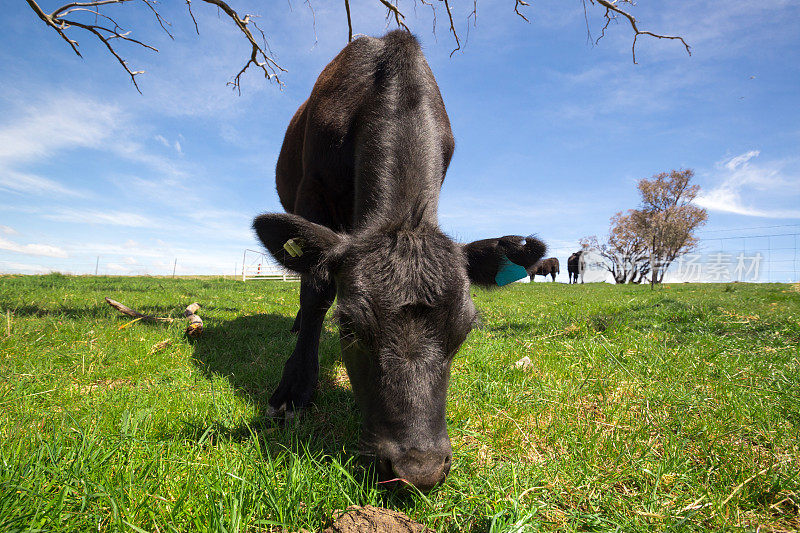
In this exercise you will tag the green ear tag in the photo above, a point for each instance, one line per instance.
(509, 272)
(294, 247)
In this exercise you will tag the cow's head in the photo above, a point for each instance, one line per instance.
(404, 309)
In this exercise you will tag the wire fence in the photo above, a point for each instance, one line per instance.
(102, 266)
(752, 255)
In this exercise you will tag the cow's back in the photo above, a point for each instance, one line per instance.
(374, 111)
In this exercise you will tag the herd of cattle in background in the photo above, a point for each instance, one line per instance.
(576, 266)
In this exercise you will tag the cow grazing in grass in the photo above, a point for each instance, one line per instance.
(359, 174)
(546, 267)
(576, 265)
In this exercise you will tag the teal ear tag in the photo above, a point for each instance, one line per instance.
(509, 272)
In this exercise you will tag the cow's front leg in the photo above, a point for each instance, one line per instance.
(296, 324)
(301, 371)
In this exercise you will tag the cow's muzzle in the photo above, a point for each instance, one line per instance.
(422, 468)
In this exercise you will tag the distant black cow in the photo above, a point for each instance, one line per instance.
(546, 267)
(359, 173)
(576, 264)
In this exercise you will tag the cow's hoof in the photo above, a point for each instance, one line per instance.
(274, 412)
(283, 412)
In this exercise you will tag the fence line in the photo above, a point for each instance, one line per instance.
(720, 259)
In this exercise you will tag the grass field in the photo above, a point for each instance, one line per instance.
(643, 410)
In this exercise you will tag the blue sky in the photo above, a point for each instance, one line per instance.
(551, 132)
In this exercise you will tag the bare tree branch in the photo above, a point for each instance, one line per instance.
(518, 3)
(313, 22)
(399, 18)
(586, 18)
(107, 30)
(612, 6)
(349, 21)
(452, 27)
(267, 64)
(191, 14)
(51, 21)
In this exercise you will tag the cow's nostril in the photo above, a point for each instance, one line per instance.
(448, 460)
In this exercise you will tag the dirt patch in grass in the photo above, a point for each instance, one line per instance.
(102, 385)
(374, 520)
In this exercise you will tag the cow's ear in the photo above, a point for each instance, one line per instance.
(493, 262)
(295, 242)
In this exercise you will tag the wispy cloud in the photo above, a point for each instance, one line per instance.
(25, 268)
(27, 183)
(45, 128)
(765, 183)
(7, 230)
(113, 218)
(45, 250)
(175, 146)
(724, 27)
(42, 128)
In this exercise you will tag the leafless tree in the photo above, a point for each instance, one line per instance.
(101, 20)
(667, 219)
(624, 253)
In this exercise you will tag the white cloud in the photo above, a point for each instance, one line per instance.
(23, 268)
(45, 250)
(62, 122)
(114, 218)
(7, 230)
(765, 183)
(45, 128)
(710, 30)
(176, 145)
(740, 160)
(23, 182)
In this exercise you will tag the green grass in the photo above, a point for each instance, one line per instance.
(677, 408)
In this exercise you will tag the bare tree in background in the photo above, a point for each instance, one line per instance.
(667, 219)
(101, 19)
(624, 253)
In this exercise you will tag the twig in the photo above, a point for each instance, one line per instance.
(27, 396)
(108, 31)
(193, 329)
(125, 310)
(452, 27)
(611, 6)
(267, 64)
(748, 480)
(518, 3)
(349, 21)
(399, 18)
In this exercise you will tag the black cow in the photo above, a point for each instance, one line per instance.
(359, 173)
(576, 264)
(546, 267)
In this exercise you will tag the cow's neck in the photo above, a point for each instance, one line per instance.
(391, 202)
(395, 184)
(399, 164)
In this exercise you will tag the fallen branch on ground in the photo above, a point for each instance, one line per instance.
(135, 314)
(193, 329)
